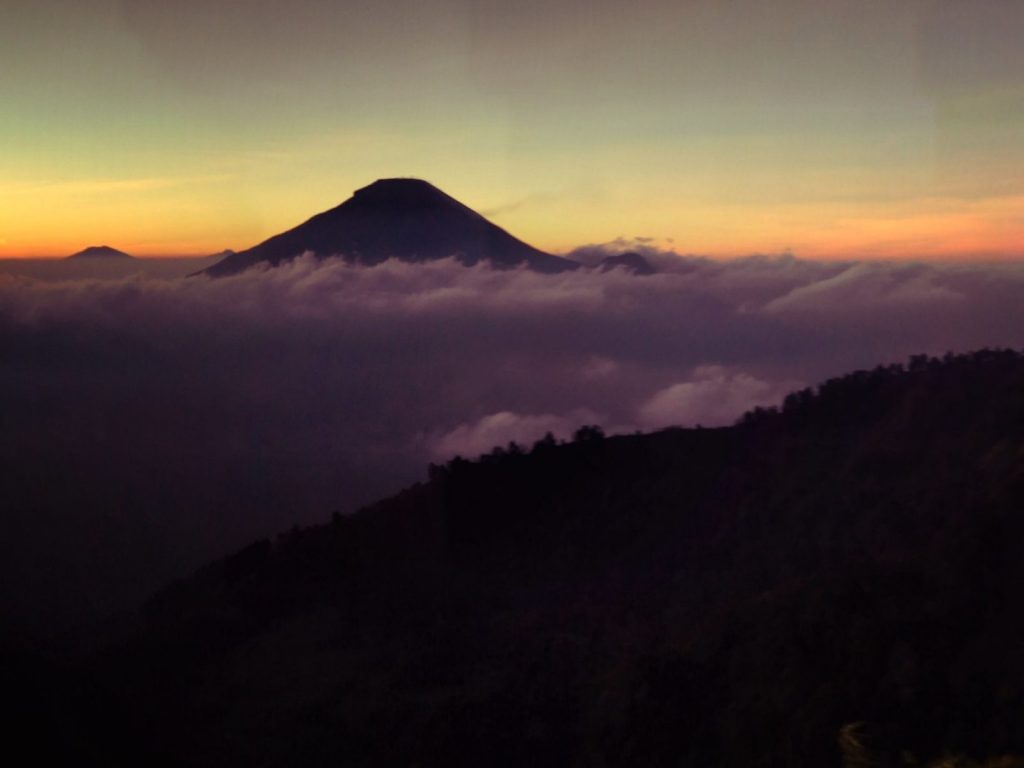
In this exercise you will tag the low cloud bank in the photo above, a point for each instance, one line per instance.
(714, 397)
(151, 423)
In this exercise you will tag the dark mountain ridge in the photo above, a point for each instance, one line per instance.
(407, 219)
(841, 573)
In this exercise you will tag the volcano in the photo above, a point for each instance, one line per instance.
(407, 219)
(100, 252)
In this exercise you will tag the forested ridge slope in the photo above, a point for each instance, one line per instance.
(726, 597)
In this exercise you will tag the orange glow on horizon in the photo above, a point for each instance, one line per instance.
(201, 218)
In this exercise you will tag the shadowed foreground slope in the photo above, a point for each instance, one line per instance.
(726, 597)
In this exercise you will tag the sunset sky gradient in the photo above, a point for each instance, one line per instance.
(830, 128)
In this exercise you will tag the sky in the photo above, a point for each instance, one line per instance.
(826, 128)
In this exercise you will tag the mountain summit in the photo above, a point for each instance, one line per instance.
(407, 219)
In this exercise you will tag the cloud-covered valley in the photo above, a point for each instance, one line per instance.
(151, 423)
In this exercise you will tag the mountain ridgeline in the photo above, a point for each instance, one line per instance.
(838, 579)
(407, 219)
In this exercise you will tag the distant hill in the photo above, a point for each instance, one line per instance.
(843, 574)
(407, 219)
(100, 252)
(630, 261)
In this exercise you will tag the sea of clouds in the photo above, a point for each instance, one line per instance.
(150, 423)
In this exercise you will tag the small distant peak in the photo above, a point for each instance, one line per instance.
(100, 252)
(630, 261)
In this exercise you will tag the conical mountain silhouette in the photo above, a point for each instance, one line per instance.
(100, 252)
(407, 219)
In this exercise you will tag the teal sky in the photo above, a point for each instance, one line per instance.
(832, 128)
